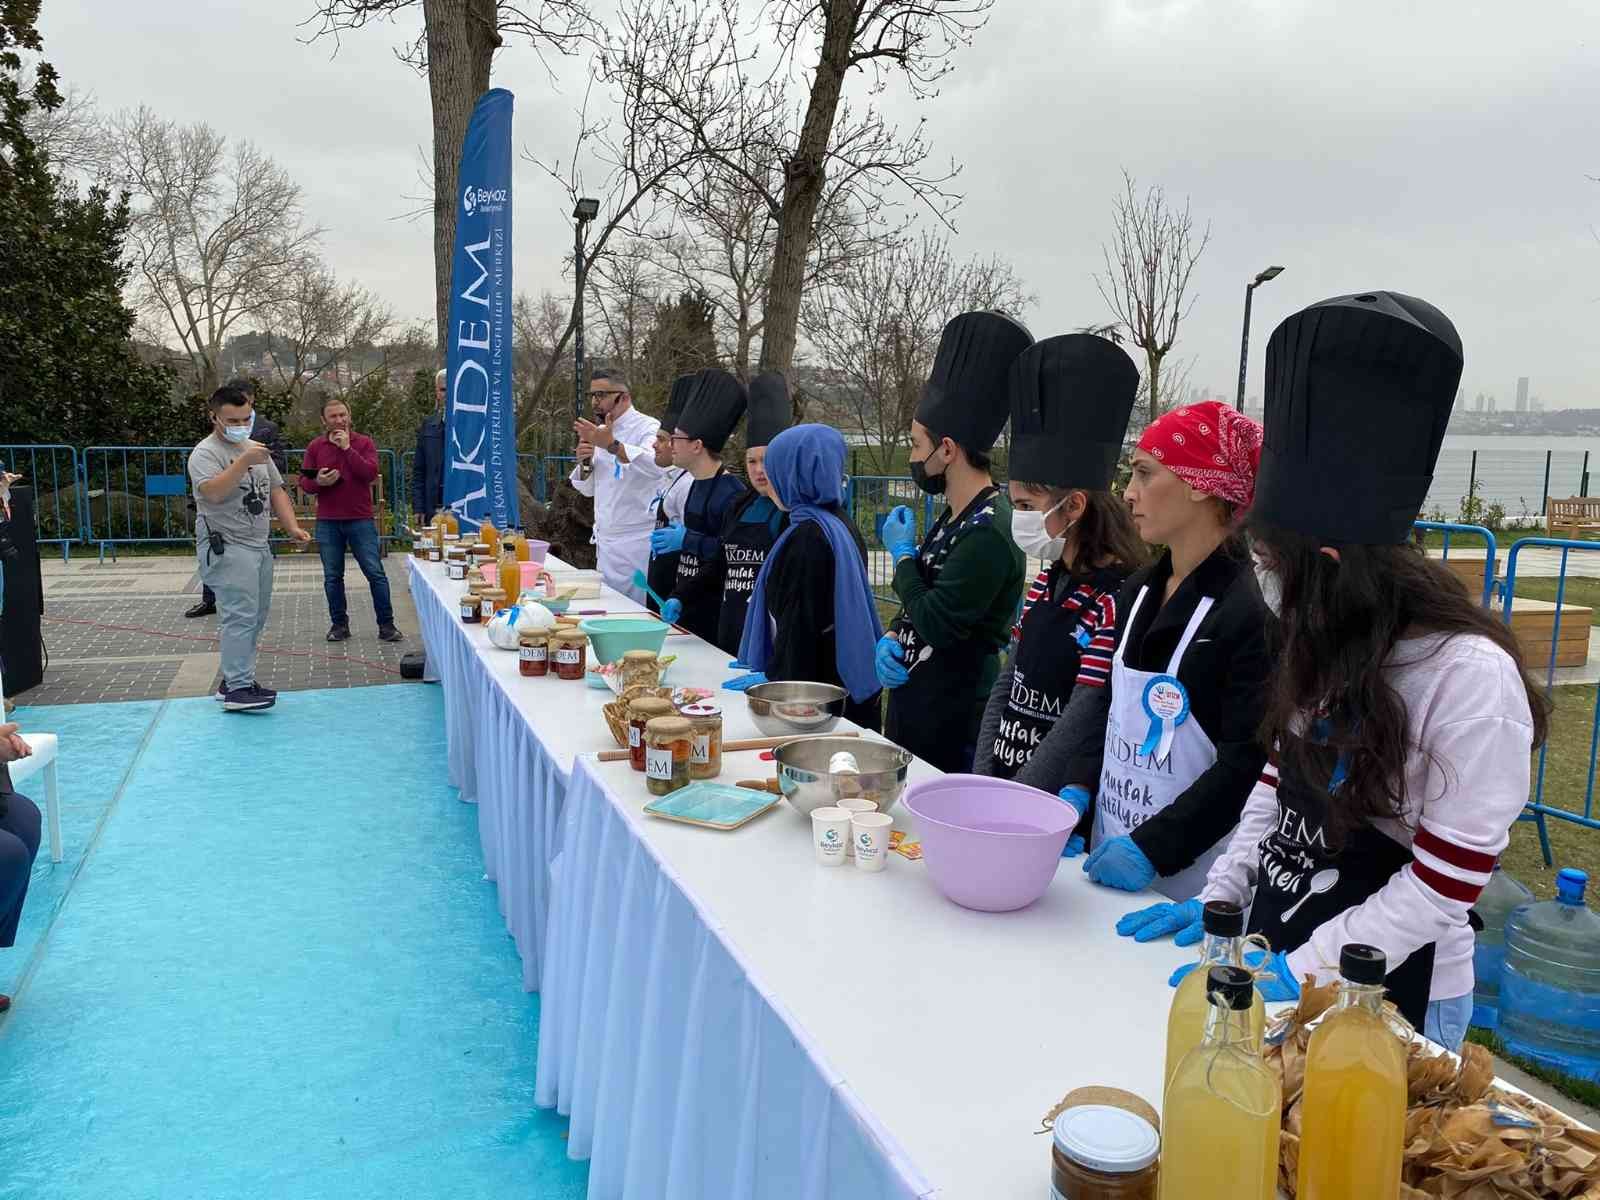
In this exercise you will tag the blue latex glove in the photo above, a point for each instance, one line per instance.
(1119, 863)
(1157, 921)
(1079, 799)
(667, 540)
(1073, 848)
(672, 610)
(900, 533)
(736, 665)
(1278, 986)
(740, 682)
(890, 661)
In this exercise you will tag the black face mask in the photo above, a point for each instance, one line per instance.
(934, 485)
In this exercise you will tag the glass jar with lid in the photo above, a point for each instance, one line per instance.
(666, 754)
(435, 550)
(533, 654)
(640, 668)
(1101, 1152)
(471, 607)
(641, 711)
(569, 649)
(493, 601)
(705, 755)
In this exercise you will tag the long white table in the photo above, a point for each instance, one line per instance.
(724, 1018)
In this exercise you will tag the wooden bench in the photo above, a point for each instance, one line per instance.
(1574, 516)
(305, 509)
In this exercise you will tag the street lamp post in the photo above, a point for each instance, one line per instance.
(585, 211)
(1244, 340)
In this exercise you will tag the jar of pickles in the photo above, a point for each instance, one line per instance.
(471, 608)
(533, 654)
(493, 601)
(569, 649)
(640, 668)
(705, 752)
(641, 711)
(666, 754)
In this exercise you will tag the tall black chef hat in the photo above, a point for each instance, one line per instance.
(716, 402)
(677, 401)
(1359, 391)
(1070, 400)
(770, 409)
(965, 398)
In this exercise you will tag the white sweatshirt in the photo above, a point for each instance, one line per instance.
(624, 492)
(1466, 783)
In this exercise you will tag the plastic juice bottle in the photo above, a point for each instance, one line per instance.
(1223, 1105)
(1353, 1114)
(490, 536)
(1223, 947)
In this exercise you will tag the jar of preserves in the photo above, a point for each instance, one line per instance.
(456, 568)
(569, 649)
(667, 749)
(705, 751)
(472, 609)
(419, 544)
(1101, 1152)
(435, 551)
(640, 668)
(641, 712)
(533, 654)
(478, 555)
(493, 601)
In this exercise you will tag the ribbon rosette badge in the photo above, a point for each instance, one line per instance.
(1167, 705)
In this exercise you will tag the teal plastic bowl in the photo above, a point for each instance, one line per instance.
(612, 637)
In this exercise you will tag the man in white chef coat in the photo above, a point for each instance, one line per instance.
(617, 467)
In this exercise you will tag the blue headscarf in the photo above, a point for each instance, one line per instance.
(805, 465)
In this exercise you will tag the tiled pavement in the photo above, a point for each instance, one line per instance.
(116, 631)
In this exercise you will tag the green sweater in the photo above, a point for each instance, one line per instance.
(975, 595)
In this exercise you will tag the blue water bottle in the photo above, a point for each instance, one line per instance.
(1550, 981)
(1495, 903)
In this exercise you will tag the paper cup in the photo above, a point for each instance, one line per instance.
(854, 805)
(869, 833)
(830, 834)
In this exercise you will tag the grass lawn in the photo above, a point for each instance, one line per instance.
(1566, 778)
(1581, 1090)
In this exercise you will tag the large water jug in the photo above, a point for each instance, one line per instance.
(1502, 894)
(1550, 981)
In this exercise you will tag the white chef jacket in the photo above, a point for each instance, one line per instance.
(624, 492)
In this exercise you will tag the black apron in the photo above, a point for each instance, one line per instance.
(662, 573)
(1295, 851)
(701, 607)
(744, 549)
(935, 714)
(1044, 668)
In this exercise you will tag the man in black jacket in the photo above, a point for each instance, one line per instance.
(265, 432)
(427, 465)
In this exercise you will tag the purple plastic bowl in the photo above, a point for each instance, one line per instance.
(990, 844)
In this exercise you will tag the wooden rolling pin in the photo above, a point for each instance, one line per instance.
(767, 743)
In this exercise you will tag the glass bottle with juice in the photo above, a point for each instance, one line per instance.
(1353, 1109)
(510, 572)
(1223, 1105)
(1223, 947)
(490, 536)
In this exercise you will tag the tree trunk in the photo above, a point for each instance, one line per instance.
(803, 178)
(1154, 361)
(462, 39)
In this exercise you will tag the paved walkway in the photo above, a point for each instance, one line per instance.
(116, 631)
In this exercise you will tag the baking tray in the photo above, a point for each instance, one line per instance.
(713, 805)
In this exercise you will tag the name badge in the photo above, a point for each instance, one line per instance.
(1166, 703)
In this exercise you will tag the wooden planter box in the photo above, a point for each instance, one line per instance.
(1534, 621)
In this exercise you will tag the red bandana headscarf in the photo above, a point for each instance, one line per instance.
(1209, 446)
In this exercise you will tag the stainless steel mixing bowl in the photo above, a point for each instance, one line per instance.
(796, 707)
(807, 783)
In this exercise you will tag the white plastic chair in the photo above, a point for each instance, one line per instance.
(42, 762)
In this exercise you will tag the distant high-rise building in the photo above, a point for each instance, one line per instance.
(1522, 394)
(1478, 406)
(1491, 403)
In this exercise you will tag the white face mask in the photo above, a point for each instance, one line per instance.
(1031, 537)
(1271, 586)
(236, 433)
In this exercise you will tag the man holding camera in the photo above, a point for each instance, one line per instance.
(237, 491)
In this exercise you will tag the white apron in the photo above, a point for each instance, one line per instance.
(1134, 785)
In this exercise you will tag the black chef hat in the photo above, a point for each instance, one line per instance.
(1070, 400)
(677, 401)
(965, 398)
(716, 402)
(1359, 391)
(770, 410)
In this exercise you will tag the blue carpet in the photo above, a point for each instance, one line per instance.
(278, 974)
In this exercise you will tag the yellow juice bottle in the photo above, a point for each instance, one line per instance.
(524, 551)
(1353, 1111)
(1223, 1105)
(510, 574)
(490, 536)
(1223, 947)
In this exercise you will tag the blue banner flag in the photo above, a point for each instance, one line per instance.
(480, 479)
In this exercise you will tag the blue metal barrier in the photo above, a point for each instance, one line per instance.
(1449, 529)
(1538, 810)
(52, 472)
(134, 495)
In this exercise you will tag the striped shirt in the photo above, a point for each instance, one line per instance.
(1094, 601)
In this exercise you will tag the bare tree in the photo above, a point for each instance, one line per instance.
(876, 329)
(324, 332)
(455, 50)
(69, 134)
(217, 232)
(1146, 282)
(539, 327)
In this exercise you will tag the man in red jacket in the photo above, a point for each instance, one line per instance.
(338, 469)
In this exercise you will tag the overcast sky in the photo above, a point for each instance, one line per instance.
(1435, 147)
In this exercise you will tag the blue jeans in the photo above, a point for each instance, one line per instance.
(362, 538)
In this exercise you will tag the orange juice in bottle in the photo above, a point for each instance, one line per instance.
(510, 573)
(490, 536)
(1353, 1112)
(524, 552)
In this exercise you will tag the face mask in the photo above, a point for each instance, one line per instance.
(1031, 537)
(934, 485)
(238, 433)
(1271, 586)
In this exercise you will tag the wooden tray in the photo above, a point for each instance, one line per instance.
(713, 805)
